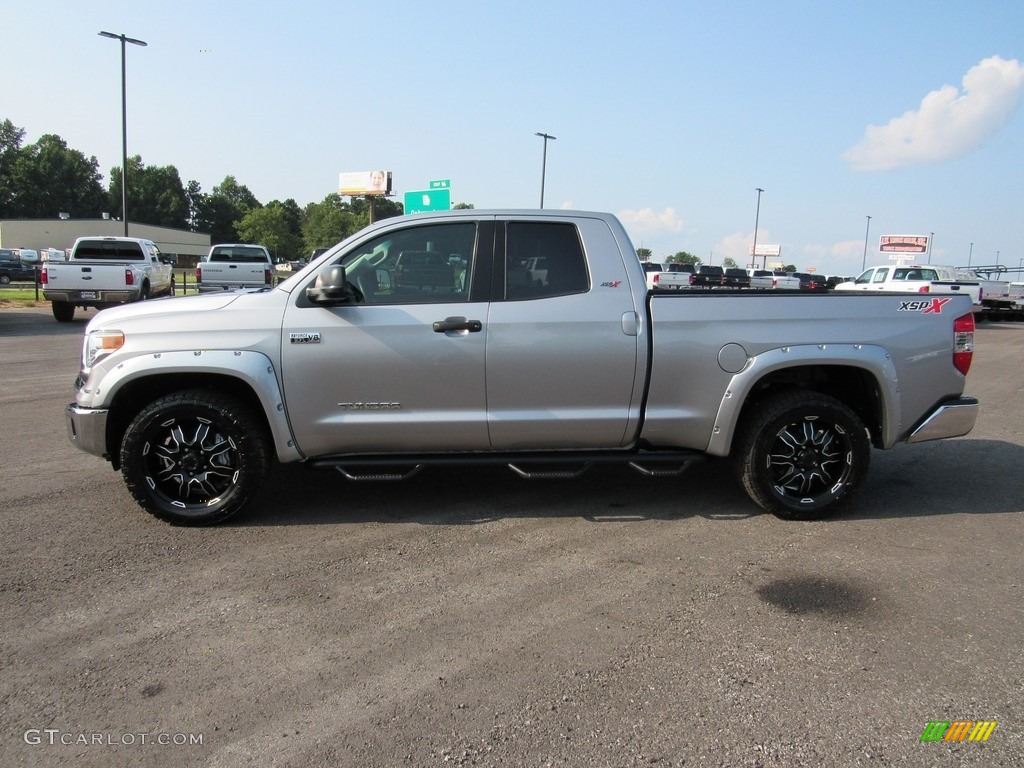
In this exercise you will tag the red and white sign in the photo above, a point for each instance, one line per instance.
(903, 244)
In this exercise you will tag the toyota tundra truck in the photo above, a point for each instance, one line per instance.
(344, 367)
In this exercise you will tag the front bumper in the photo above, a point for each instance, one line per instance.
(87, 428)
(951, 419)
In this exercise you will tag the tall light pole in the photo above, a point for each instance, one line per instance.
(124, 124)
(544, 164)
(864, 258)
(931, 244)
(969, 254)
(757, 218)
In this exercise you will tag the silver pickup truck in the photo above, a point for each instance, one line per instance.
(343, 367)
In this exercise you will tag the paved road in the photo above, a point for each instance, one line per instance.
(479, 619)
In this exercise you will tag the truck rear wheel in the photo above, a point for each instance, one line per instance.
(63, 312)
(194, 457)
(801, 455)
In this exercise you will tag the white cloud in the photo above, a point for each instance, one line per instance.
(647, 221)
(844, 257)
(948, 123)
(737, 247)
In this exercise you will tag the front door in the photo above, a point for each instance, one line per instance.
(403, 369)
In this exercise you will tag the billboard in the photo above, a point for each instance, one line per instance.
(766, 250)
(903, 244)
(364, 183)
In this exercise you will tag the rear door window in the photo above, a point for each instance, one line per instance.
(554, 246)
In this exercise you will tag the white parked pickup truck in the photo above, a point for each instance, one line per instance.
(915, 278)
(102, 272)
(675, 278)
(767, 280)
(235, 266)
(344, 367)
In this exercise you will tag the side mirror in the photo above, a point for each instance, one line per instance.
(332, 287)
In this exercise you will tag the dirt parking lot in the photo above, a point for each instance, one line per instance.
(480, 619)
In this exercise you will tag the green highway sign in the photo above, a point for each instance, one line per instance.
(428, 200)
(441, 184)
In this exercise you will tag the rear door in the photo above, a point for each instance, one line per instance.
(562, 352)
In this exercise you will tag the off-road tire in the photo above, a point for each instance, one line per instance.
(194, 457)
(801, 455)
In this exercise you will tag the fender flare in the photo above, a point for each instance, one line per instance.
(869, 357)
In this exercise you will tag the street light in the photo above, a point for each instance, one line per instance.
(931, 244)
(544, 164)
(757, 217)
(124, 124)
(864, 258)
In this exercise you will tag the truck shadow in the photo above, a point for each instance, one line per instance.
(942, 478)
(39, 321)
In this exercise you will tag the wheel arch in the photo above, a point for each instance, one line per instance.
(252, 382)
(865, 382)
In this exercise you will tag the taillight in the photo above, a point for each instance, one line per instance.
(963, 342)
(129, 277)
(925, 289)
(267, 276)
(44, 279)
(692, 279)
(656, 279)
(199, 274)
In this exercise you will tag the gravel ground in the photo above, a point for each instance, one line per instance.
(480, 619)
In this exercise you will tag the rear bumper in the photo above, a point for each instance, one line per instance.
(951, 419)
(87, 429)
(91, 298)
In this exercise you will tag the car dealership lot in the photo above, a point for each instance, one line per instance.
(479, 619)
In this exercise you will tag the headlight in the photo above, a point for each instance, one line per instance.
(99, 344)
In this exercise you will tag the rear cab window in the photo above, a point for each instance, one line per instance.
(112, 250)
(544, 259)
(238, 254)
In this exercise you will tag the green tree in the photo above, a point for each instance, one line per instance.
(644, 254)
(46, 178)
(11, 137)
(155, 194)
(218, 211)
(269, 225)
(328, 222)
(293, 214)
(729, 262)
(382, 209)
(463, 206)
(682, 257)
(238, 194)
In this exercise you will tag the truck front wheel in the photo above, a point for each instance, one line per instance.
(194, 457)
(801, 455)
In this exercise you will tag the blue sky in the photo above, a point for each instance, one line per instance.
(669, 114)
